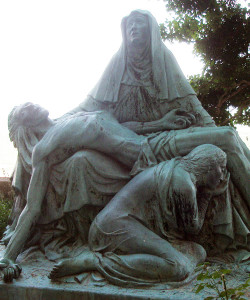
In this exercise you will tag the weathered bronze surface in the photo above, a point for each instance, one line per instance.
(136, 183)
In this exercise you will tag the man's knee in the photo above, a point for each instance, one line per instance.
(227, 136)
(84, 157)
(80, 157)
(229, 129)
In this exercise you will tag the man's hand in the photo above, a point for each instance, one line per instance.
(178, 119)
(9, 269)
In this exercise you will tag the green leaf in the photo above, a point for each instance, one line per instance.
(210, 286)
(231, 291)
(226, 271)
(203, 276)
(216, 275)
(200, 288)
(222, 294)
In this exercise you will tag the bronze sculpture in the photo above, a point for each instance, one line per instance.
(146, 92)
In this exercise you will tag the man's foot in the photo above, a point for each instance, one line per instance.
(84, 262)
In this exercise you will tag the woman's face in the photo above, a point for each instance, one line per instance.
(30, 114)
(137, 30)
(216, 175)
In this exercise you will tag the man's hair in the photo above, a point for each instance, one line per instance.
(13, 125)
(16, 127)
(23, 138)
(204, 158)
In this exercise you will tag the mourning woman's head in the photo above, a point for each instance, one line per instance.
(207, 162)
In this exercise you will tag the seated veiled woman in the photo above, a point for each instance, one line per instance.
(141, 85)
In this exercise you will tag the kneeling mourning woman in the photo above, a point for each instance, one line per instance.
(139, 238)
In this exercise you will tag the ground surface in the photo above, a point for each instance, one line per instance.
(34, 284)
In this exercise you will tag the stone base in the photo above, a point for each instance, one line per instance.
(24, 291)
(34, 288)
(33, 284)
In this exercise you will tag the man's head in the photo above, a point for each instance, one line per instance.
(25, 115)
(208, 163)
(137, 29)
(28, 114)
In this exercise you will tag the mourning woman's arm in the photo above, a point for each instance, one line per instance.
(191, 212)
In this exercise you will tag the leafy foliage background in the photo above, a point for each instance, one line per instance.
(5, 209)
(220, 32)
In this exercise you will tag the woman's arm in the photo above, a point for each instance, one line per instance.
(193, 213)
(175, 119)
(190, 209)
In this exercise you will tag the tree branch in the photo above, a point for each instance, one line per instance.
(239, 112)
(239, 88)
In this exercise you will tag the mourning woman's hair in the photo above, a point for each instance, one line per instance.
(205, 157)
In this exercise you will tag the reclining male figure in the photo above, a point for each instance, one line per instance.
(58, 141)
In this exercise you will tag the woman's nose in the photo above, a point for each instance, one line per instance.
(221, 174)
(133, 25)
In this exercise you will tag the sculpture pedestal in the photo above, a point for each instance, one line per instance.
(43, 290)
(33, 283)
(36, 287)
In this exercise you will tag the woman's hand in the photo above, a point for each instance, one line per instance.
(222, 187)
(178, 119)
(175, 119)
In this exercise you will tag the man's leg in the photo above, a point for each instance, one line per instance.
(226, 139)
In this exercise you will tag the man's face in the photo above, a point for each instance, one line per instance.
(30, 114)
(137, 31)
(215, 176)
